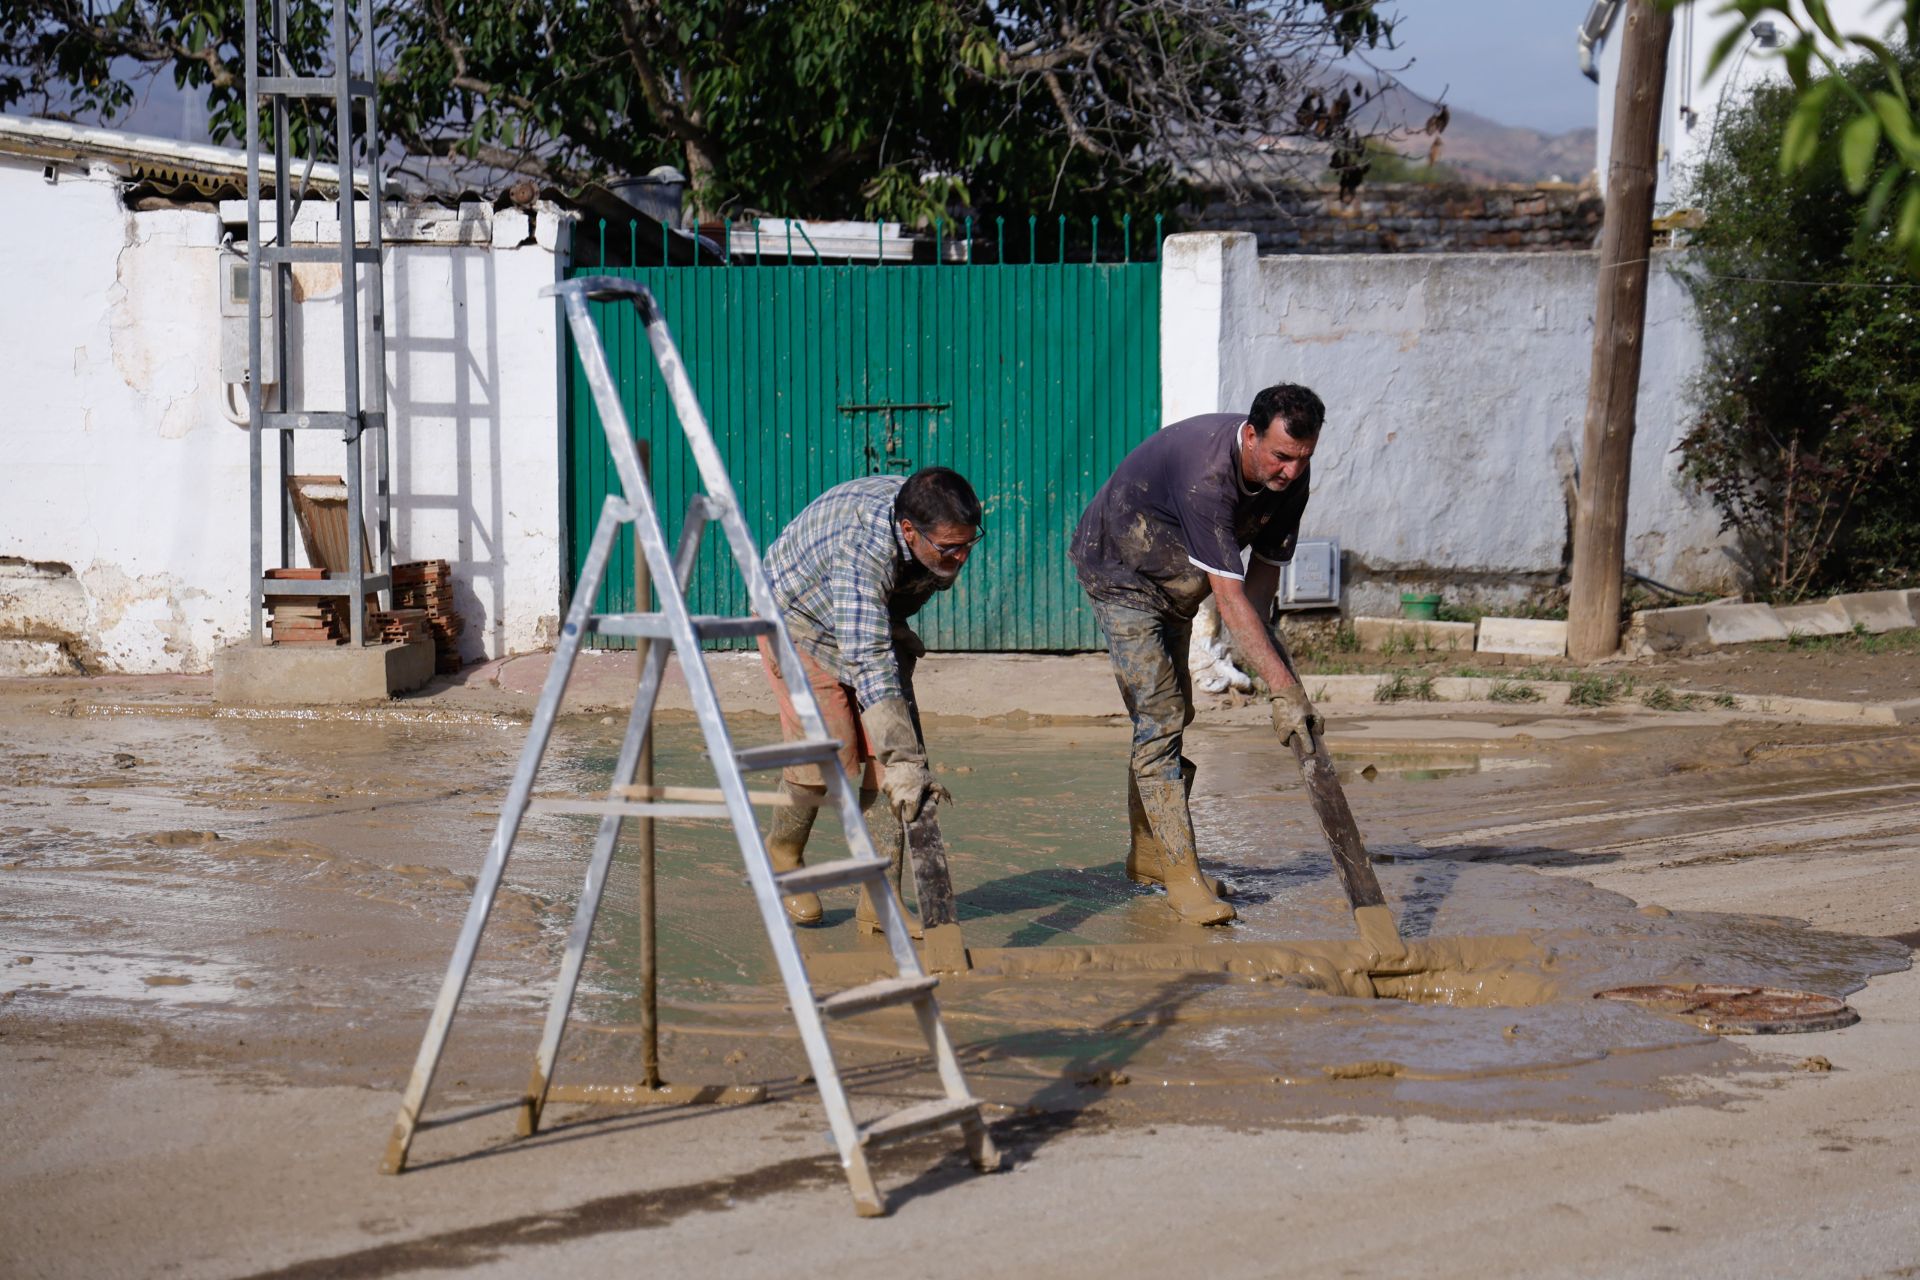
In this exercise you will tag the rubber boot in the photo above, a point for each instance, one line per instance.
(1144, 851)
(1165, 804)
(891, 843)
(787, 844)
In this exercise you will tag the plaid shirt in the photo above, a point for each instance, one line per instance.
(844, 578)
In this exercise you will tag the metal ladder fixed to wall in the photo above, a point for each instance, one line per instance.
(683, 632)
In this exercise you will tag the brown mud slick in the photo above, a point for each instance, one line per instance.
(297, 887)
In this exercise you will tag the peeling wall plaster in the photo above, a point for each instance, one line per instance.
(125, 470)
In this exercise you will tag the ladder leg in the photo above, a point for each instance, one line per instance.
(867, 1200)
(451, 987)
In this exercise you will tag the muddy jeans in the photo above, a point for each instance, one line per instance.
(1149, 654)
(841, 710)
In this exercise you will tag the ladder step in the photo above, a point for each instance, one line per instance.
(918, 1118)
(312, 86)
(632, 809)
(831, 875)
(324, 421)
(315, 253)
(707, 626)
(877, 995)
(781, 754)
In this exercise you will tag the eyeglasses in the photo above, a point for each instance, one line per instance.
(948, 550)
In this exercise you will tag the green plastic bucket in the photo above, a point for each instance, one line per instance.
(1419, 607)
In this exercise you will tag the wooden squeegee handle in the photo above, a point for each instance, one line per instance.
(1336, 819)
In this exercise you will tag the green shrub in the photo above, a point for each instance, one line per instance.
(1809, 395)
(1513, 691)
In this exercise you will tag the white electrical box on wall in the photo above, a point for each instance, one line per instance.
(1311, 579)
(236, 276)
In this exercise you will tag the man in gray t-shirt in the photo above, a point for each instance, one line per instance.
(1164, 532)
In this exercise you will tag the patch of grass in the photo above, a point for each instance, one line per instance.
(1346, 640)
(1460, 613)
(1397, 642)
(1661, 698)
(1725, 701)
(1597, 691)
(1858, 640)
(1404, 687)
(1513, 691)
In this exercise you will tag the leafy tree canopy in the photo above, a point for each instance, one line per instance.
(894, 108)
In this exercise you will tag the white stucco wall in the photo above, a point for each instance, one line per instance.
(1456, 396)
(123, 502)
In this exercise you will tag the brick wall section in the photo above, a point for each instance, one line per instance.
(1416, 219)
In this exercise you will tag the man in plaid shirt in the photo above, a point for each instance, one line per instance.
(848, 572)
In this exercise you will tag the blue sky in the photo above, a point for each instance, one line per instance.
(1510, 60)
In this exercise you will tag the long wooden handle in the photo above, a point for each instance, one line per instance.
(1336, 819)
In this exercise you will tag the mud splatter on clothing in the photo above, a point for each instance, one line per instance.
(1175, 510)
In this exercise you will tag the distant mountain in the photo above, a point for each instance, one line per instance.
(1485, 151)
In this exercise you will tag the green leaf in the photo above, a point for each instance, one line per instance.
(1876, 206)
(1797, 59)
(1858, 142)
(1906, 229)
(1898, 122)
(1801, 139)
(1817, 10)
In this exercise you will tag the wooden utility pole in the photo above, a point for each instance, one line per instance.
(1619, 328)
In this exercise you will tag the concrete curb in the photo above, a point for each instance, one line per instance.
(1364, 690)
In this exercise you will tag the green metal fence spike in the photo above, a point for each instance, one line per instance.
(1063, 239)
(1126, 238)
(969, 239)
(1095, 258)
(726, 242)
(1158, 234)
(879, 242)
(666, 246)
(633, 242)
(789, 241)
(938, 256)
(1033, 235)
(1000, 234)
(756, 241)
(603, 243)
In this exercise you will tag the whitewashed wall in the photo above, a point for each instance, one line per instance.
(1456, 390)
(123, 497)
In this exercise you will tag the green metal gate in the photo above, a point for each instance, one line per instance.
(1030, 379)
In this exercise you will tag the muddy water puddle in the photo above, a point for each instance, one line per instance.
(313, 874)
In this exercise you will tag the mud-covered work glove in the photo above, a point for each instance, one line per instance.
(907, 780)
(1293, 713)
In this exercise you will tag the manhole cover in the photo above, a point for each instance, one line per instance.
(1740, 1011)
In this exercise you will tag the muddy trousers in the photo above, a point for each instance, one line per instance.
(1149, 655)
(805, 787)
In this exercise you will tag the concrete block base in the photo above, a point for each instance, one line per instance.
(1824, 619)
(1381, 634)
(1539, 637)
(1877, 611)
(1743, 624)
(312, 675)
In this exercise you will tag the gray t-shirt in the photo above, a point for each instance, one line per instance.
(1175, 510)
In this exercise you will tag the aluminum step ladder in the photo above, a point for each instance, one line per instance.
(675, 624)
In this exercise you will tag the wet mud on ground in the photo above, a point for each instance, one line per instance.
(275, 900)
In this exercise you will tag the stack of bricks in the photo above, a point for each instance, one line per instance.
(306, 619)
(428, 585)
(400, 626)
